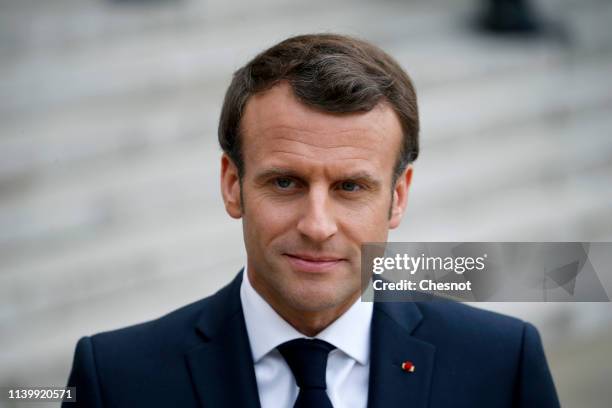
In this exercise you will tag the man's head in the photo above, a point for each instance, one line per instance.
(318, 134)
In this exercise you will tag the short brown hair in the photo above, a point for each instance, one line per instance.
(331, 72)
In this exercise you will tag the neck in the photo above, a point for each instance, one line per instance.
(311, 323)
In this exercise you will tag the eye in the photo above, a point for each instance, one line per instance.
(283, 182)
(349, 186)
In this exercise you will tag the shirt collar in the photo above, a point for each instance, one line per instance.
(267, 329)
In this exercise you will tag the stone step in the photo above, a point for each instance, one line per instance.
(78, 24)
(63, 324)
(123, 67)
(107, 129)
(454, 173)
(489, 108)
(186, 250)
(578, 210)
(153, 59)
(495, 104)
(126, 193)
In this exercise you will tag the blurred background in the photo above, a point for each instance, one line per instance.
(110, 211)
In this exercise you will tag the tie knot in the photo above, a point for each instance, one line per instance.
(307, 359)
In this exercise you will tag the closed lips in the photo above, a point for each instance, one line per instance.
(311, 258)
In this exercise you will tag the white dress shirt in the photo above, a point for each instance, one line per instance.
(348, 366)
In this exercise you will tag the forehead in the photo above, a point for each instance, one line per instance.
(278, 129)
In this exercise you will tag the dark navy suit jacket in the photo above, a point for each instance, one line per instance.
(199, 356)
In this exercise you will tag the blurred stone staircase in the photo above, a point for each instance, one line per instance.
(110, 211)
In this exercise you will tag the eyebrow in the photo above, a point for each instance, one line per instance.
(272, 172)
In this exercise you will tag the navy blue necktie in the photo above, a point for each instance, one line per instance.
(308, 362)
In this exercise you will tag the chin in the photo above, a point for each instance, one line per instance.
(319, 297)
(314, 306)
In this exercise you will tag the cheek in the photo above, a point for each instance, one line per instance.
(366, 230)
(368, 222)
(265, 219)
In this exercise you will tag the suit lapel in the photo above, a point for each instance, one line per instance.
(392, 344)
(222, 367)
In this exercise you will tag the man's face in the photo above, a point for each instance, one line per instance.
(315, 187)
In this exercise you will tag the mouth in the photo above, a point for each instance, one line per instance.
(313, 263)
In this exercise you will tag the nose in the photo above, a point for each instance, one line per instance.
(317, 221)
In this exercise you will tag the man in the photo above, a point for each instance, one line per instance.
(319, 133)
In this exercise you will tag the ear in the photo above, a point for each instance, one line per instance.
(230, 187)
(400, 197)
